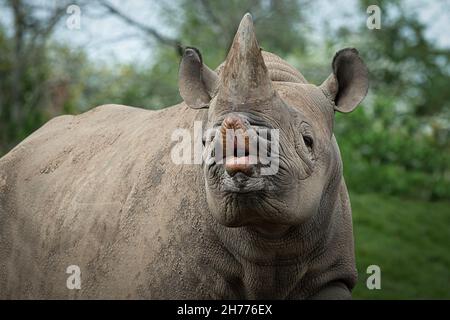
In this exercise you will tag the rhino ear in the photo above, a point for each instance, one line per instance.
(196, 82)
(348, 84)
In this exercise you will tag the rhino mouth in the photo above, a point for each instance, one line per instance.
(242, 183)
(237, 167)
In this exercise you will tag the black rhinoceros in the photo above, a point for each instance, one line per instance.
(100, 191)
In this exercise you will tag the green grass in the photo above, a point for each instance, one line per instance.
(409, 240)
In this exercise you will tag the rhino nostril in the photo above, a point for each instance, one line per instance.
(234, 122)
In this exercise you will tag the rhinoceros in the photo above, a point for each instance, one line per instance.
(100, 192)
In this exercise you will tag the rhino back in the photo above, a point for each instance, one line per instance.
(99, 191)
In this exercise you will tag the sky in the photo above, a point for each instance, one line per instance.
(108, 39)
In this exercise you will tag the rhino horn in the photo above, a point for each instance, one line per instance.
(245, 77)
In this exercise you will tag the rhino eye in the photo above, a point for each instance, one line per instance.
(308, 141)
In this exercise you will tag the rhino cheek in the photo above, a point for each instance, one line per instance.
(300, 189)
(309, 198)
(218, 201)
(327, 172)
(221, 207)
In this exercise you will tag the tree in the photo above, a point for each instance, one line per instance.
(24, 69)
(210, 26)
(403, 62)
(398, 142)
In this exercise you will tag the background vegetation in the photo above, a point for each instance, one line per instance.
(395, 146)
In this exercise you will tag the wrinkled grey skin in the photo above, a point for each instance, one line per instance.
(100, 191)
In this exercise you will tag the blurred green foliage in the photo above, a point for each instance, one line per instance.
(387, 153)
(408, 240)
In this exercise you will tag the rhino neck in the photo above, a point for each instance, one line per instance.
(294, 265)
(286, 244)
(272, 267)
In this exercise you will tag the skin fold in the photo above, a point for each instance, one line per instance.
(100, 191)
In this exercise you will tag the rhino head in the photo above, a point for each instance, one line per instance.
(256, 91)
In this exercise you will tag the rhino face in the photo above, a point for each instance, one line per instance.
(263, 112)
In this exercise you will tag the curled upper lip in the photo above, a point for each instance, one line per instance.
(241, 145)
(252, 120)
